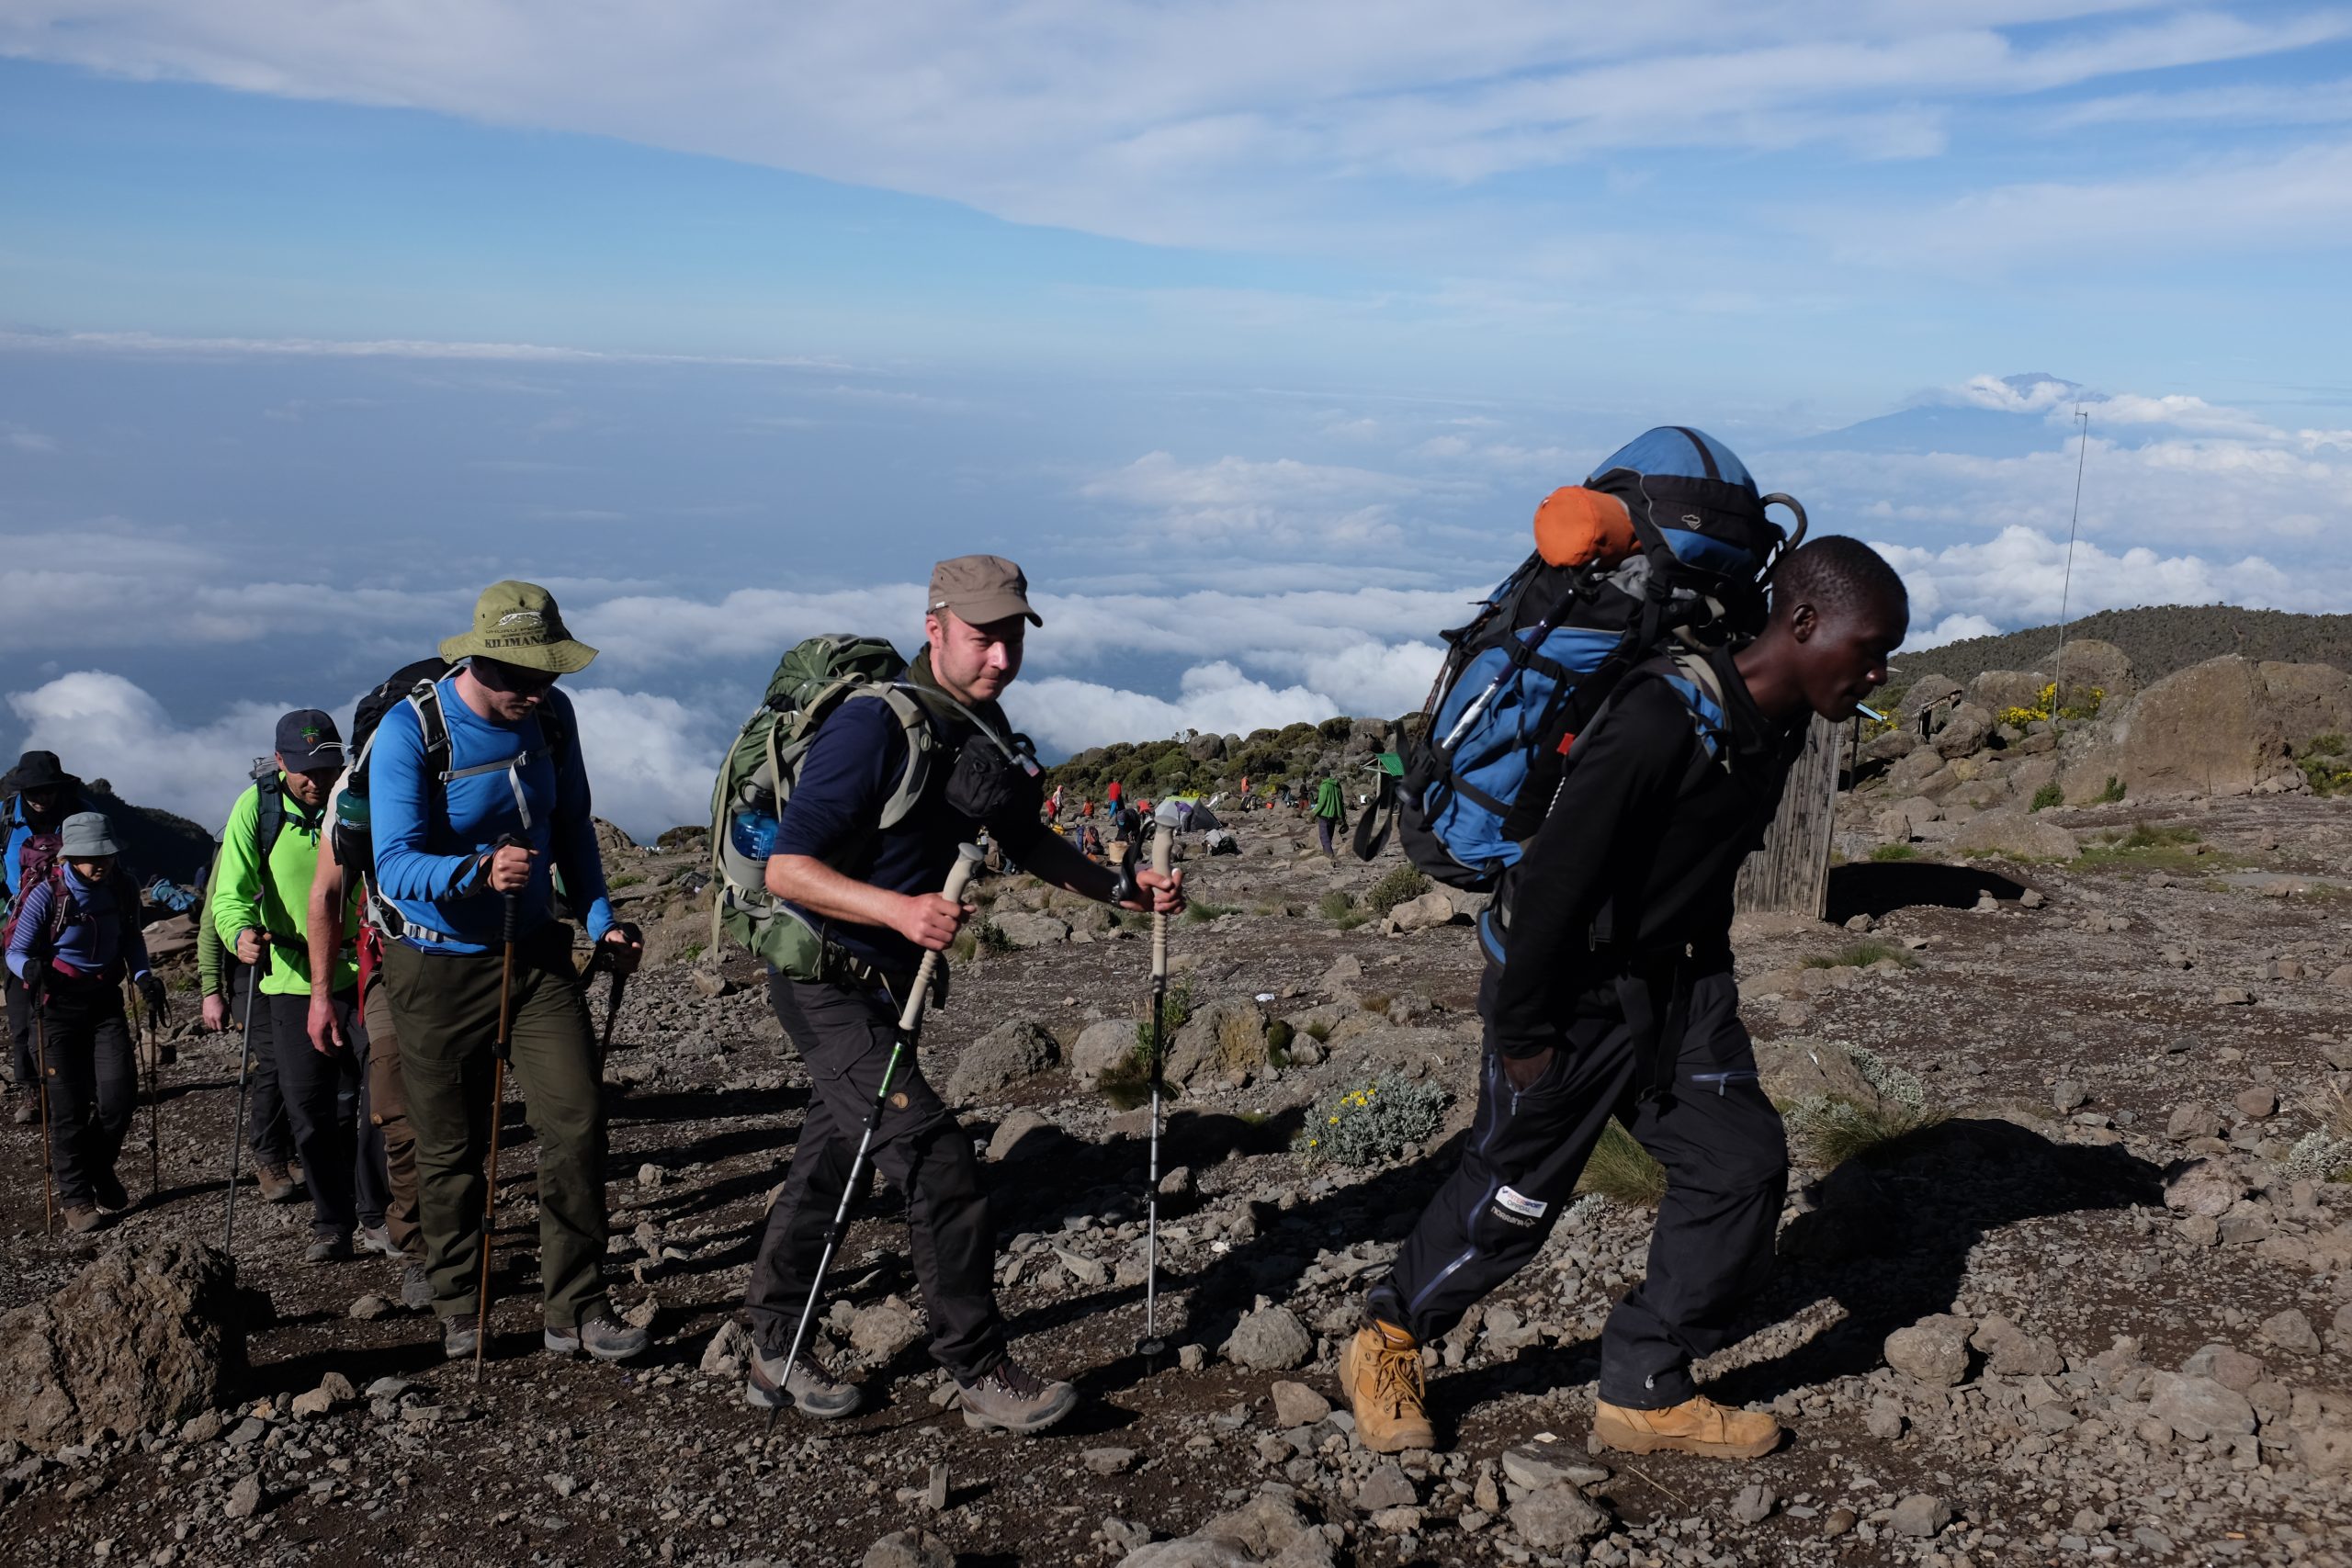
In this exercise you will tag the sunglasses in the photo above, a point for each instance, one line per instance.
(508, 679)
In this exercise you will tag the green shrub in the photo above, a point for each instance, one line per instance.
(1370, 1125)
(2326, 763)
(1335, 729)
(1622, 1170)
(1398, 886)
(1833, 1130)
(1894, 851)
(1204, 911)
(2048, 796)
(1336, 905)
(2112, 794)
(988, 938)
(689, 952)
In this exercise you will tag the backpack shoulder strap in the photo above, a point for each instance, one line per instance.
(916, 723)
(269, 822)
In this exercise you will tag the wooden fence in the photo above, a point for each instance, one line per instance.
(1790, 874)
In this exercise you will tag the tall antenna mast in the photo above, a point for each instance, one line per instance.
(2066, 584)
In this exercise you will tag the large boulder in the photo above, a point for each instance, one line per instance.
(2310, 700)
(143, 1338)
(1012, 1051)
(1270, 1528)
(1206, 748)
(1966, 730)
(1997, 690)
(2015, 834)
(1927, 691)
(2087, 665)
(1023, 929)
(1104, 1044)
(2210, 729)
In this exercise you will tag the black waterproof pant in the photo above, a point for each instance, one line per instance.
(267, 1131)
(323, 1094)
(1726, 1166)
(93, 1082)
(844, 1034)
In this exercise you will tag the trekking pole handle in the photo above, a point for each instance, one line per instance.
(959, 877)
(511, 916)
(1163, 860)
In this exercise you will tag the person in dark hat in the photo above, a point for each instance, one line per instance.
(260, 904)
(39, 794)
(872, 892)
(74, 942)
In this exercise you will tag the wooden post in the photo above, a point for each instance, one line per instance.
(1790, 874)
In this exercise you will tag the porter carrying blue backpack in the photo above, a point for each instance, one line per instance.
(1666, 545)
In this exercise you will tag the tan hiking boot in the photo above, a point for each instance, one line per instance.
(1697, 1426)
(1380, 1372)
(278, 1184)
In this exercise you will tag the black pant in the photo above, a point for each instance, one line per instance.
(322, 1093)
(267, 1131)
(93, 1082)
(844, 1035)
(1726, 1164)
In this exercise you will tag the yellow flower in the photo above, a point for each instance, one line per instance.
(1335, 1121)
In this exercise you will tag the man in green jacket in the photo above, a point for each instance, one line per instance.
(269, 853)
(1330, 813)
(223, 984)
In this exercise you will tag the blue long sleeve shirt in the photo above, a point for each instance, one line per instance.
(430, 838)
(92, 941)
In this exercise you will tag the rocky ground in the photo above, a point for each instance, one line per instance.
(2101, 1309)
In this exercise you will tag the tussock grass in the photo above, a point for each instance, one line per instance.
(1337, 905)
(1861, 955)
(1622, 1170)
(1894, 852)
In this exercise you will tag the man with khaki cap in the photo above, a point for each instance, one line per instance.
(871, 894)
(477, 796)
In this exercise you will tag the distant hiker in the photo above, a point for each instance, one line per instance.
(1610, 993)
(40, 795)
(226, 986)
(872, 893)
(1111, 797)
(73, 939)
(260, 905)
(339, 891)
(1330, 814)
(489, 750)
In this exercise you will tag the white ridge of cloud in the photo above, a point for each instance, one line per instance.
(1951, 628)
(1064, 715)
(1170, 124)
(2020, 578)
(159, 344)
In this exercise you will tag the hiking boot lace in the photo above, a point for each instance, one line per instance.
(1015, 1380)
(1397, 1382)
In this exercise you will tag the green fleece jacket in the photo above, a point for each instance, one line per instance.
(277, 898)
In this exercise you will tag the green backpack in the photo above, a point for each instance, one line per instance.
(811, 682)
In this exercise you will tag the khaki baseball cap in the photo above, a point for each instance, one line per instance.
(980, 589)
(517, 622)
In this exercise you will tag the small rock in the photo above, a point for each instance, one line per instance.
(1296, 1405)
(1754, 1503)
(2231, 997)
(1837, 1522)
(246, 1499)
(1108, 1461)
(1920, 1514)
(2032, 898)
(652, 1175)
(1554, 1517)
(885, 1330)
(1192, 1358)
(1933, 1352)
(908, 1549)
(2291, 1330)
(728, 1352)
(2257, 1103)
(1402, 1520)
(934, 1493)
(562, 1485)
(2066, 1094)
(1539, 1464)
(370, 1307)
(1886, 1420)
(2197, 1408)
(2193, 1122)
(1272, 1340)
(1386, 1487)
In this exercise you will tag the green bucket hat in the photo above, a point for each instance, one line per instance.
(517, 622)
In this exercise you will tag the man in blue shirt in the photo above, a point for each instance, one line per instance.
(872, 893)
(476, 794)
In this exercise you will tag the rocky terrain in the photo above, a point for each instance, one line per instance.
(2158, 640)
(2066, 1274)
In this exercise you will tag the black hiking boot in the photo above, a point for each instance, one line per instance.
(811, 1389)
(1012, 1397)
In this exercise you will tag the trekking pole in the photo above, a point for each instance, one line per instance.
(612, 1010)
(244, 1073)
(1163, 856)
(48, 1167)
(151, 1072)
(967, 860)
(511, 922)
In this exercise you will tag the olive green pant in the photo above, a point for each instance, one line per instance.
(445, 1009)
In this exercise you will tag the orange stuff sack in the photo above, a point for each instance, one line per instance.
(1576, 526)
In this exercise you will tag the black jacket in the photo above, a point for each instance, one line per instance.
(1637, 857)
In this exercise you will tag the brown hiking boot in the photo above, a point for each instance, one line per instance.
(1012, 1397)
(80, 1219)
(1697, 1426)
(1380, 1372)
(278, 1185)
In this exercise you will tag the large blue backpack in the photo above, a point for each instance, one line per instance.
(1547, 647)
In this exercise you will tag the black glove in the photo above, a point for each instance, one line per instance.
(151, 992)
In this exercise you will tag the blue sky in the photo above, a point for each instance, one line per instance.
(1255, 332)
